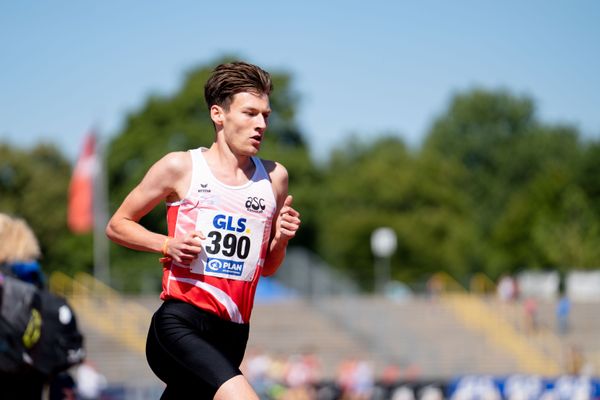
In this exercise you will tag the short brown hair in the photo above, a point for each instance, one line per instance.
(232, 78)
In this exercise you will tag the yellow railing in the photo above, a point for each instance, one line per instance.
(103, 308)
(441, 282)
(480, 283)
(594, 360)
(478, 316)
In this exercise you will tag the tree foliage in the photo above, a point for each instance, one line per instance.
(492, 188)
(33, 186)
(523, 181)
(383, 184)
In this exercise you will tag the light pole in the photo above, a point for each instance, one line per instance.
(383, 245)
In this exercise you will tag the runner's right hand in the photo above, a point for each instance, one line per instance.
(186, 249)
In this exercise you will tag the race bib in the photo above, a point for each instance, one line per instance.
(232, 245)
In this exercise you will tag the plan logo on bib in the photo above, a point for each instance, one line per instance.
(227, 267)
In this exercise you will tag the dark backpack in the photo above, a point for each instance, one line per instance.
(38, 330)
(20, 324)
(61, 343)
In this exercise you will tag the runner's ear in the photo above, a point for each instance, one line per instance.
(217, 114)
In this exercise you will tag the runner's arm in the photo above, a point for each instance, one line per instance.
(285, 223)
(160, 182)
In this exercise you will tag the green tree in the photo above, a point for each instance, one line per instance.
(383, 184)
(34, 186)
(588, 175)
(492, 189)
(521, 173)
(479, 130)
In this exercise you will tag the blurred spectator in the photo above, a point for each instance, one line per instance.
(19, 251)
(412, 372)
(507, 288)
(391, 374)
(38, 326)
(302, 375)
(345, 374)
(563, 309)
(297, 373)
(431, 393)
(530, 308)
(403, 393)
(278, 368)
(356, 379)
(574, 360)
(435, 287)
(256, 368)
(363, 381)
(476, 387)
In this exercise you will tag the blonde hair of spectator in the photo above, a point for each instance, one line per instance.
(17, 240)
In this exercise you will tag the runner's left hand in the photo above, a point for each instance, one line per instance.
(288, 220)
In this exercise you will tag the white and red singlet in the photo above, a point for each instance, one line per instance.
(236, 221)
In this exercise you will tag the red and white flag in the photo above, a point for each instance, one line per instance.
(80, 216)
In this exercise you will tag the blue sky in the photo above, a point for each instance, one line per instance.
(359, 67)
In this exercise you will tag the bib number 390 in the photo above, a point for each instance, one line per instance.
(232, 245)
(228, 245)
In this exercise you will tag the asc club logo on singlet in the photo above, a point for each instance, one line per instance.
(232, 245)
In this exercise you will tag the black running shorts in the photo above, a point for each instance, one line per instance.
(193, 351)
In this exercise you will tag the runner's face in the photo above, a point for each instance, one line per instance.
(245, 122)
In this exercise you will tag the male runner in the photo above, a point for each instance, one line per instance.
(229, 221)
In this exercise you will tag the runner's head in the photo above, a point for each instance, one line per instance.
(232, 78)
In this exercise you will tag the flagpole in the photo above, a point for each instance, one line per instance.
(100, 212)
